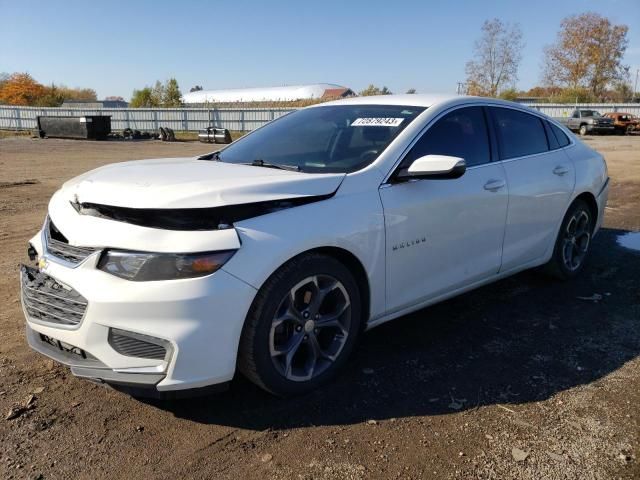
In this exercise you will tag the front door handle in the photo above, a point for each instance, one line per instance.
(560, 171)
(494, 185)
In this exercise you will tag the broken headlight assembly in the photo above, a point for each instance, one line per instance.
(146, 266)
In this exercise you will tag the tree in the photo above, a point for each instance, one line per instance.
(142, 98)
(543, 92)
(621, 92)
(21, 89)
(52, 97)
(373, 90)
(411, 91)
(197, 88)
(172, 94)
(148, 97)
(160, 95)
(157, 94)
(587, 54)
(4, 76)
(574, 95)
(496, 58)
(509, 94)
(82, 94)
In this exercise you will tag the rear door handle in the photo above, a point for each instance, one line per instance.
(494, 185)
(560, 171)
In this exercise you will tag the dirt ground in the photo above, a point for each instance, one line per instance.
(519, 379)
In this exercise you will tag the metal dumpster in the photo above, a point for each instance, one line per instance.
(94, 127)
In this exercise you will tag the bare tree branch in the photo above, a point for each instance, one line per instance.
(497, 55)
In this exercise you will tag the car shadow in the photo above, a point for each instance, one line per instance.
(516, 341)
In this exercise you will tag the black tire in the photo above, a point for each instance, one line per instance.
(255, 359)
(583, 130)
(560, 266)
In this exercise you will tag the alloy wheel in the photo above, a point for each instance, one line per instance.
(576, 240)
(310, 327)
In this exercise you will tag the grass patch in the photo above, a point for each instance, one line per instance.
(14, 133)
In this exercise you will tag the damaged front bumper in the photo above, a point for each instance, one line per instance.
(85, 365)
(156, 337)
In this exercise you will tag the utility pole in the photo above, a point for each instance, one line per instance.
(635, 87)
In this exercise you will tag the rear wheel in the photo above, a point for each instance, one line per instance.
(302, 326)
(573, 242)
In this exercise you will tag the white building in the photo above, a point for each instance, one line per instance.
(268, 94)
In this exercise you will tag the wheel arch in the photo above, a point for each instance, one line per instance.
(357, 269)
(591, 202)
(352, 262)
(245, 362)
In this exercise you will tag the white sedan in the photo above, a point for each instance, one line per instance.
(272, 256)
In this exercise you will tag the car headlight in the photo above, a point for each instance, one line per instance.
(146, 266)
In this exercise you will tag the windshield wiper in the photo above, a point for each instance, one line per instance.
(210, 156)
(261, 163)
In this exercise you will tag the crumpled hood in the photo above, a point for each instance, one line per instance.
(193, 183)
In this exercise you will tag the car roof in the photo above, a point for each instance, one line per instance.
(419, 100)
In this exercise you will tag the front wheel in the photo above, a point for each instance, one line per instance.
(583, 130)
(573, 242)
(302, 326)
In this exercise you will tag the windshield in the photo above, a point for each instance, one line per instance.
(589, 113)
(329, 139)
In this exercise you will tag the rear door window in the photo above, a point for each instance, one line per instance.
(561, 137)
(551, 137)
(519, 133)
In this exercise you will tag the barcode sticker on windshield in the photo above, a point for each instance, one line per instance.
(377, 122)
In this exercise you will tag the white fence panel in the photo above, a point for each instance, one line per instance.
(239, 119)
(179, 119)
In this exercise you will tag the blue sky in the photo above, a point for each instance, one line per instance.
(117, 46)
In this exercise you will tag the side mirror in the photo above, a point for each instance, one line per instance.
(436, 167)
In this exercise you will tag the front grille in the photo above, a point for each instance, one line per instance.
(45, 300)
(136, 345)
(58, 245)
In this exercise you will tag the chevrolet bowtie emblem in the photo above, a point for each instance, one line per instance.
(42, 263)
